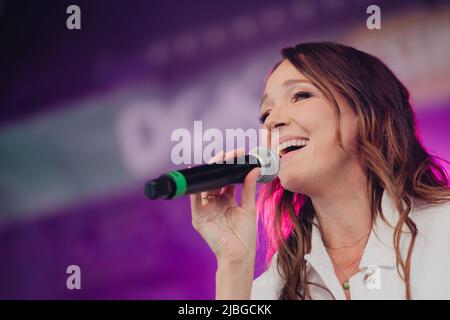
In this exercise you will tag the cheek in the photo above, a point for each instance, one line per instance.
(320, 123)
(350, 132)
(328, 156)
(325, 154)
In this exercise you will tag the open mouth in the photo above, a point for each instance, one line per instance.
(291, 146)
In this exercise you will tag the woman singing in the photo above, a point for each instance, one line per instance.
(359, 210)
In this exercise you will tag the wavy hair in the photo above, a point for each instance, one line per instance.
(391, 154)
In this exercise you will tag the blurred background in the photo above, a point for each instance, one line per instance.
(86, 117)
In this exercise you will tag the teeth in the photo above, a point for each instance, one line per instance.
(292, 142)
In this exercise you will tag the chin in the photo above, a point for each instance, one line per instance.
(290, 183)
(296, 181)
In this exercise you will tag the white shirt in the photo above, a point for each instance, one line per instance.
(430, 261)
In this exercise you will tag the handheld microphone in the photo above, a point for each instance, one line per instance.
(213, 176)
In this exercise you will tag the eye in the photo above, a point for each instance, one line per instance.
(301, 95)
(263, 117)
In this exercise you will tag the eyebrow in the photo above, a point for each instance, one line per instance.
(285, 84)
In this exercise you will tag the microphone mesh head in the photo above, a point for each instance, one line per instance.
(269, 162)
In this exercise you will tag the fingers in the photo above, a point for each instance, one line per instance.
(196, 201)
(229, 191)
(203, 195)
(249, 190)
(222, 157)
(217, 157)
(234, 153)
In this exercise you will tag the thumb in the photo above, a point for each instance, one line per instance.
(249, 190)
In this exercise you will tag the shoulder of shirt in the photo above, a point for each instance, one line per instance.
(267, 285)
(429, 212)
(430, 218)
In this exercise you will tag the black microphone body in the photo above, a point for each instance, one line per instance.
(210, 176)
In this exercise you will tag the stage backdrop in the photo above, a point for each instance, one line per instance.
(86, 117)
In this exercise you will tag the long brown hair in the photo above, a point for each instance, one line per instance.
(391, 154)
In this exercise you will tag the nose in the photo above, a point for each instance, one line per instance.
(277, 118)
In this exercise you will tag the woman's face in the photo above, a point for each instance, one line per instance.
(303, 115)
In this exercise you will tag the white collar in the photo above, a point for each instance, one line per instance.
(379, 249)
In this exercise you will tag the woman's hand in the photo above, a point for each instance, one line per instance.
(229, 229)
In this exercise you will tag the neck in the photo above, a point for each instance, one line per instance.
(343, 209)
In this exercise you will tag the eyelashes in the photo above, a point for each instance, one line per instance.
(301, 95)
(263, 117)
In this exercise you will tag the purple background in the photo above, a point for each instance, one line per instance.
(71, 187)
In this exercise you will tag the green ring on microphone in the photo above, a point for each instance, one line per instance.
(180, 182)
